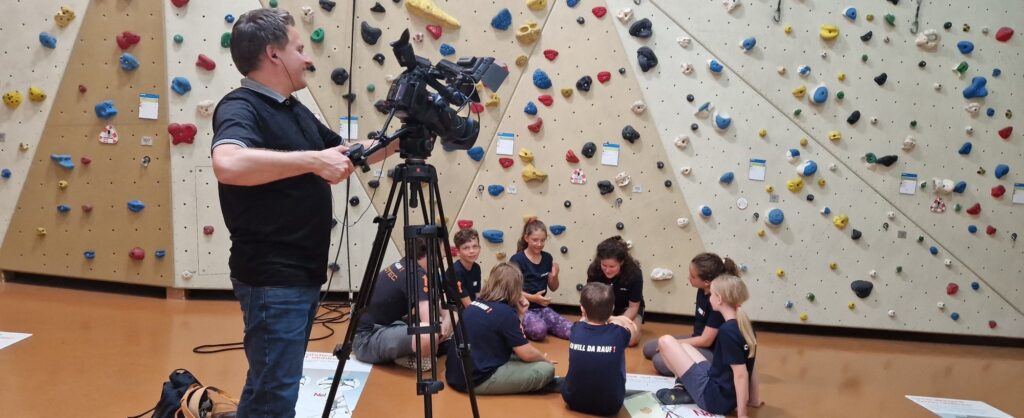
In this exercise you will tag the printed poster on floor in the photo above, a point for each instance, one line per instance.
(958, 408)
(645, 405)
(317, 375)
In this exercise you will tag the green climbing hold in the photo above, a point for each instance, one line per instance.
(810, 297)
(179, 39)
(225, 40)
(870, 158)
(957, 208)
(370, 88)
(920, 238)
(899, 269)
(962, 68)
(317, 36)
(864, 58)
(797, 112)
(890, 19)
(840, 95)
(913, 124)
(273, 4)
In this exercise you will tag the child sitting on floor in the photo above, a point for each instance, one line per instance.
(540, 273)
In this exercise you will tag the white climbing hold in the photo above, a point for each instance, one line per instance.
(418, 37)
(625, 15)
(944, 186)
(873, 273)
(973, 108)
(639, 107)
(685, 171)
(824, 54)
(969, 130)
(781, 70)
(307, 14)
(661, 274)
(929, 39)
(891, 215)
(205, 107)
(832, 167)
(874, 120)
(742, 203)
(629, 244)
(937, 86)
(687, 68)
(892, 313)
(941, 305)
(684, 41)
(909, 143)
(622, 179)
(730, 5)
(390, 78)
(187, 274)
(682, 141)
(947, 262)
(682, 222)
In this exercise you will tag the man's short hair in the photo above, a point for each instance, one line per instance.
(253, 31)
(598, 300)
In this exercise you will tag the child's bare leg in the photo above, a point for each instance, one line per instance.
(694, 354)
(675, 356)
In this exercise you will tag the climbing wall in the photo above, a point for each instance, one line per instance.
(801, 270)
(202, 243)
(82, 214)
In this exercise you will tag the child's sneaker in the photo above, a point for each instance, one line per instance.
(554, 386)
(674, 396)
(409, 362)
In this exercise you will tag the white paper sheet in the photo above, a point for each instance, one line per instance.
(317, 375)
(9, 338)
(958, 408)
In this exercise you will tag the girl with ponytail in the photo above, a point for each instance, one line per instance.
(728, 382)
(704, 268)
(540, 273)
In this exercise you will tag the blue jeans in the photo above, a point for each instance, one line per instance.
(278, 321)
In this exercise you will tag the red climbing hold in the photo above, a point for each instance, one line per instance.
(82, 89)
(182, 133)
(550, 54)
(505, 162)
(137, 253)
(571, 157)
(476, 107)
(535, 126)
(435, 31)
(991, 230)
(998, 191)
(974, 210)
(1004, 34)
(86, 208)
(208, 230)
(991, 324)
(545, 99)
(952, 288)
(599, 11)
(86, 160)
(1005, 132)
(205, 63)
(604, 76)
(465, 224)
(179, 3)
(126, 39)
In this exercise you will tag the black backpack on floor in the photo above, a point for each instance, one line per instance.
(174, 389)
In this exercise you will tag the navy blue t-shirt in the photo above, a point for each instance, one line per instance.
(730, 349)
(596, 382)
(705, 316)
(535, 276)
(624, 293)
(467, 281)
(390, 300)
(494, 330)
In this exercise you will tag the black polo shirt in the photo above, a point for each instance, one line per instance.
(280, 231)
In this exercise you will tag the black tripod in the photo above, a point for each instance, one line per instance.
(407, 192)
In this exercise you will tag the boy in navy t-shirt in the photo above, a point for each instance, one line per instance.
(466, 270)
(596, 382)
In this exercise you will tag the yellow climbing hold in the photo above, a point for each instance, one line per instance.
(12, 99)
(803, 316)
(536, 5)
(23, 146)
(841, 76)
(500, 255)
(760, 232)
(762, 133)
(63, 184)
(64, 16)
(795, 185)
(851, 305)
(781, 70)
(828, 32)
(787, 28)
(566, 93)
(36, 94)
(528, 32)
(531, 173)
(780, 272)
(835, 136)
(803, 142)
(521, 60)
(840, 221)
(525, 155)
(430, 11)
(40, 231)
(800, 91)
(494, 100)
(821, 182)
(769, 188)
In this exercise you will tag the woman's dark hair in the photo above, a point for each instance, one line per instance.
(614, 248)
(710, 266)
(253, 31)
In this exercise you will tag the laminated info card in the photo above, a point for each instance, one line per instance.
(908, 183)
(344, 124)
(1018, 193)
(149, 106)
(757, 169)
(317, 375)
(610, 154)
(506, 143)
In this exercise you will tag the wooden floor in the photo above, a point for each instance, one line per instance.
(96, 354)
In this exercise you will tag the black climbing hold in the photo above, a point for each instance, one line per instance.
(646, 58)
(605, 187)
(370, 34)
(350, 97)
(391, 173)
(584, 83)
(880, 79)
(564, 249)
(311, 68)
(862, 288)
(379, 58)
(947, 25)
(579, 287)
(382, 107)
(894, 2)
(887, 160)
(855, 234)
(620, 226)
(693, 126)
(334, 223)
(854, 117)
(339, 76)
(689, 98)
(354, 201)
(588, 149)
(373, 183)
(377, 8)
(913, 124)
(668, 183)
(867, 36)
(335, 267)
(567, 204)
(630, 134)
(922, 64)
(327, 5)
(580, 20)
(622, 70)
(810, 197)
(660, 165)
(641, 28)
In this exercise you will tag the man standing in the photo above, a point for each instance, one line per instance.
(275, 164)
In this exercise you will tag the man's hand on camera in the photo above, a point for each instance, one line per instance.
(333, 165)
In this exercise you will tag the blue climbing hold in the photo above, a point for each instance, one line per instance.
(722, 121)
(557, 229)
(62, 208)
(447, 50)
(996, 72)
(705, 211)
(105, 109)
(807, 168)
(792, 154)
(826, 210)
(934, 250)
(727, 177)
(128, 62)
(541, 79)
(789, 304)
(495, 189)
(954, 316)
(476, 153)
(136, 206)
(743, 268)
(89, 255)
(972, 229)
(748, 43)
(960, 187)
(572, 3)
(715, 66)
(181, 85)
(990, 112)
(703, 110)
(775, 217)
(975, 285)
(820, 95)
(230, 18)
(494, 236)
(64, 160)
(965, 149)
(160, 253)
(850, 13)
(976, 89)
(5, 173)
(965, 47)
(804, 70)
(1002, 170)
(47, 40)
(502, 20)
(530, 109)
